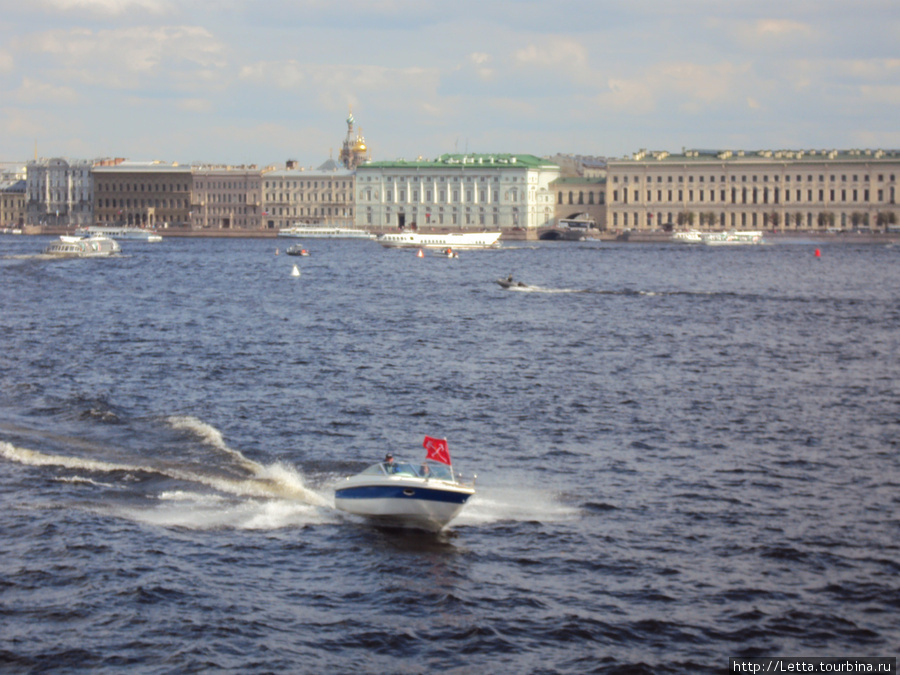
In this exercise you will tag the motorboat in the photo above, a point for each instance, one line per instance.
(509, 282)
(403, 494)
(297, 249)
(124, 232)
(72, 246)
(324, 232)
(442, 240)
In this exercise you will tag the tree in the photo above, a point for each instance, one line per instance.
(885, 218)
(686, 218)
(798, 220)
(774, 218)
(825, 219)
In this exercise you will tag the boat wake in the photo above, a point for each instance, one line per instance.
(256, 496)
(498, 505)
(541, 289)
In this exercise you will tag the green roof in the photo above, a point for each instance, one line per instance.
(466, 161)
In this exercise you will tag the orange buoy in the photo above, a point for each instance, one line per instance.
(420, 254)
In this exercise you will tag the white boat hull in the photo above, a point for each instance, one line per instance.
(403, 500)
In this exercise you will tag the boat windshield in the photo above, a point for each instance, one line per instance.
(427, 469)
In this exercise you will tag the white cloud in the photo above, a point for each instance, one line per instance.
(553, 52)
(122, 57)
(32, 91)
(108, 7)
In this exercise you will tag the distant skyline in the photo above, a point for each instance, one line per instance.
(240, 82)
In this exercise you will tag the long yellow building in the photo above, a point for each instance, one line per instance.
(789, 190)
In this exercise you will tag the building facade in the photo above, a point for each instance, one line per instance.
(226, 198)
(58, 192)
(581, 197)
(12, 204)
(787, 190)
(143, 194)
(294, 195)
(457, 192)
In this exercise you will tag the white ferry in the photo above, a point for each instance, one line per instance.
(95, 246)
(451, 240)
(689, 237)
(324, 232)
(732, 238)
(124, 232)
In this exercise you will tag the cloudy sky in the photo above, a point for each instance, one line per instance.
(262, 81)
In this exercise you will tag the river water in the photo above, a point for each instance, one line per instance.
(684, 454)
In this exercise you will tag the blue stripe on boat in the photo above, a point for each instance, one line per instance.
(399, 492)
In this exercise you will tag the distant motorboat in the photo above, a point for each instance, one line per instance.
(96, 246)
(510, 283)
(297, 249)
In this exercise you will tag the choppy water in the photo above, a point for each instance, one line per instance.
(683, 454)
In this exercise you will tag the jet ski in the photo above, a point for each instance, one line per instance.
(509, 282)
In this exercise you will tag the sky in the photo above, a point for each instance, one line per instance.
(265, 81)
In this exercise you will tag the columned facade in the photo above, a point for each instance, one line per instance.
(787, 190)
(58, 193)
(457, 192)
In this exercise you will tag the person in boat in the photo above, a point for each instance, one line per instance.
(509, 278)
(389, 465)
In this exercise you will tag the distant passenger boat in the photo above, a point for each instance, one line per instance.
(96, 246)
(689, 237)
(732, 238)
(324, 232)
(451, 240)
(124, 232)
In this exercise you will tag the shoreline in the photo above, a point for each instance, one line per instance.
(608, 237)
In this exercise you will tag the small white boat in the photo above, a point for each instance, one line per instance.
(449, 240)
(396, 493)
(124, 232)
(324, 232)
(96, 246)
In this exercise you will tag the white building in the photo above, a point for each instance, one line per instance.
(59, 192)
(457, 192)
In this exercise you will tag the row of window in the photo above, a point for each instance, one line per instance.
(765, 178)
(454, 196)
(310, 185)
(143, 203)
(757, 195)
(600, 198)
(298, 197)
(751, 220)
(141, 187)
(442, 179)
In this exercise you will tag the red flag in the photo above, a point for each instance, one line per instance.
(437, 449)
